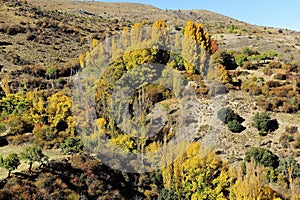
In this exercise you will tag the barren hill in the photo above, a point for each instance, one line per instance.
(262, 38)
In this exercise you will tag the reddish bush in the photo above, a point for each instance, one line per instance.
(296, 143)
(280, 76)
(275, 64)
(268, 71)
(254, 89)
(272, 84)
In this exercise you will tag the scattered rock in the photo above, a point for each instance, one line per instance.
(265, 142)
(5, 43)
(30, 37)
(218, 152)
(15, 29)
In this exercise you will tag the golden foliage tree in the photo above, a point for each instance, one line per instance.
(195, 47)
(136, 34)
(60, 110)
(160, 34)
(199, 175)
(251, 184)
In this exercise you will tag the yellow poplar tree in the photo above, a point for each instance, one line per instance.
(81, 60)
(136, 34)
(159, 33)
(198, 174)
(195, 47)
(125, 38)
(251, 185)
(5, 85)
(59, 108)
(190, 48)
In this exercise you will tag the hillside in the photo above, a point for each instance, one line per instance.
(284, 41)
(225, 110)
(34, 40)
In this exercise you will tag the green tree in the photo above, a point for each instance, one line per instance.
(227, 115)
(262, 156)
(15, 104)
(289, 168)
(262, 121)
(33, 154)
(235, 126)
(10, 163)
(72, 145)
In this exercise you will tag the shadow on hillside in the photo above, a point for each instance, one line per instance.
(273, 125)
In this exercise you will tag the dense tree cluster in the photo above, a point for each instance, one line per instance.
(138, 57)
(135, 59)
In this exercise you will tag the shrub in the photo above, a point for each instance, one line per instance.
(266, 105)
(249, 65)
(19, 124)
(235, 126)
(291, 129)
(280, 76)
(281, 92)
(296, 142)
(272, 54)
(262, 121)
(3, 127)
(284, 140)
(254, 89)
(227, 115)
(262, 133)
(265, 90)
(51, 72)
(248, 51)
(267, 71)
(72, 145)
(239, 59)
(288, 108)
(262, 56)
(224, 58)
(272, 83)
(275, 64)
(262, 156)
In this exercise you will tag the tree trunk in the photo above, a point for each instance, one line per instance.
(30, 168)
(41, 165)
